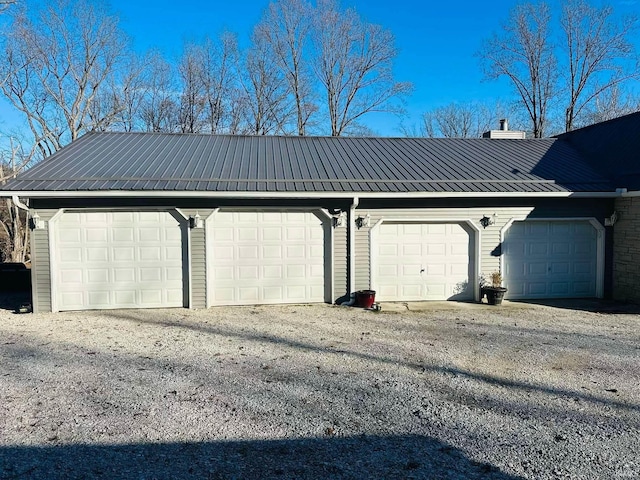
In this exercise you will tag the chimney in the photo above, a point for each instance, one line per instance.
(504, 132)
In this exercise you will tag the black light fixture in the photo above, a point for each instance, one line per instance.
(36, 222)
(486, 221)
(363, 221)
(195, 221)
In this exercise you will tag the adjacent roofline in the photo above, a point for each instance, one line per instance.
(297, 195)
(632, 193)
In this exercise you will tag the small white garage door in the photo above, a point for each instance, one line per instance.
(109, 260)
(265, 258)
(551, 259)
(422, 261)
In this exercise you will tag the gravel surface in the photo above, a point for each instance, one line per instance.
(456, 391)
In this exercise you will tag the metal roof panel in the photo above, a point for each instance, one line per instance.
(155, 161)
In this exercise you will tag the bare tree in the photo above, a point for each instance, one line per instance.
(609, 104)
(14, 234)
(192, 95)
(268, 107)
(5, 4)
(596, 47)
(128, 93)
(457, 121)
(158, 109)
(57, 63)
(286, 27)
(523, 53)
(353, 62)
(218, 80)
(207, 78)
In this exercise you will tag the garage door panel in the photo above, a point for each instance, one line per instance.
(124, 235)
(583, 288)
(272, 271)
(560, 288)
(410, 291)
(248, 273)
(247, 234)
(561, 229)
(436, 229)
(537, 268)
(124, 275)
(560, 268)
(295, 251)
(538, 248)
(99, 299)
(559, 259)
(275, 257)
(71, 276)
(583, 248)
(99, 276)
(70, 254)
(563, 248)
(223, 295)
(422, 261)
(584, 268)
(118, 260)
(125, 298)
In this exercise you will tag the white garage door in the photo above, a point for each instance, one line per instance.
(265, 257)
(550, 259)
(117, 260)
(422, 261)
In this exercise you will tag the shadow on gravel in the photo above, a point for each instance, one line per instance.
(594, 305)
(315, 458)
(141, 317)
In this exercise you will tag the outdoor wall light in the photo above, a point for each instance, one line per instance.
(339, 220)
(36, 222)
(611, 221)
(363, 221)
(195, 221)
(486, 221)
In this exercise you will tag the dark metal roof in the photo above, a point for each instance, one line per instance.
(612, 148)
(220, 163)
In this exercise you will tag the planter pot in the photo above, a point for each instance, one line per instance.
(494, 294)
(365, 298)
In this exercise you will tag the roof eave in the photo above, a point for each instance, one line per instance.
(297, 195)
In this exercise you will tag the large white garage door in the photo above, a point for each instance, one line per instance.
(117, 260)
(550, 259)
(265, 257)
(422, 261)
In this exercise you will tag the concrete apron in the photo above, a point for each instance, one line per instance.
(584, 304)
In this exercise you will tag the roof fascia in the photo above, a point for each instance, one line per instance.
(300, 195)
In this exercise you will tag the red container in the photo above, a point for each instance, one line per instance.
(365, 298)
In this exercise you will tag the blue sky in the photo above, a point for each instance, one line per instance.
(436, 41)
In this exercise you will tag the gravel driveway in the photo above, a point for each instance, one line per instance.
(456, 391)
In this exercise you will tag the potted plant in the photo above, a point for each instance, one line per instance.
(494, 289)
